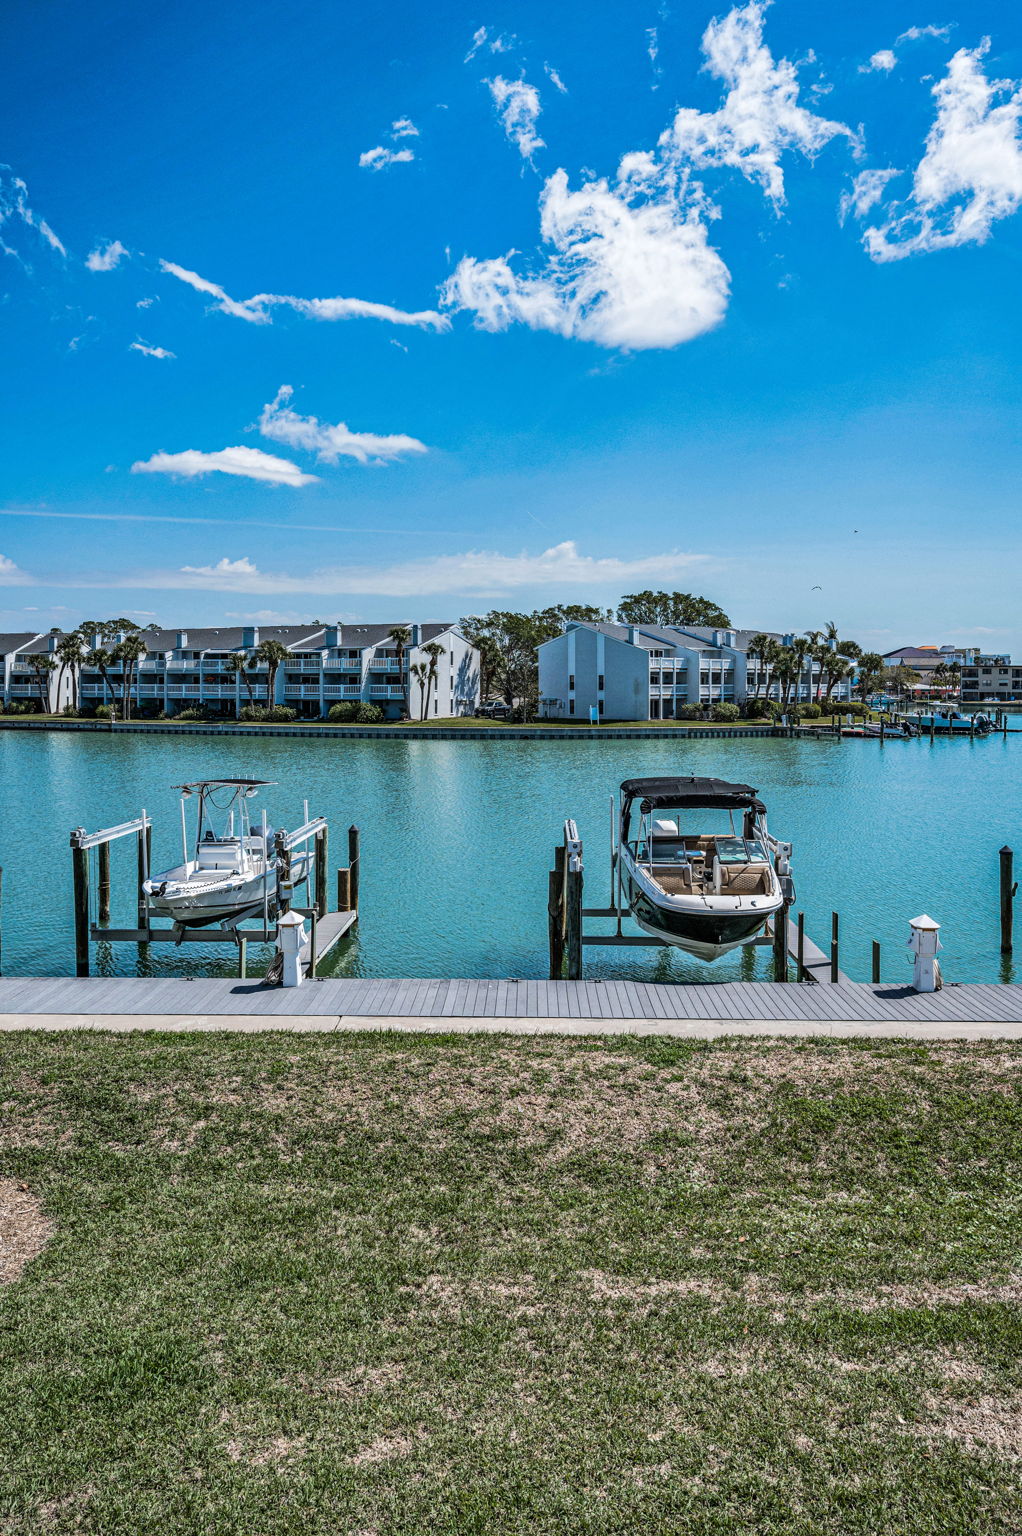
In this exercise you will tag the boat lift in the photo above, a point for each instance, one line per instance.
(327, 928)
(567, 934)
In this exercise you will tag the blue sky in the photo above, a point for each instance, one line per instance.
(380, 313)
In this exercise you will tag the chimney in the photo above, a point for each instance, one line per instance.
(633, 634)
(332, 637)
(249, 636)
(182, 640)
(51, 642)
(416, 634)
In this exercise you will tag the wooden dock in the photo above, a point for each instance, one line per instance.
(526, 1006)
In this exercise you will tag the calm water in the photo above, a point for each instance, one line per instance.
(457, 838)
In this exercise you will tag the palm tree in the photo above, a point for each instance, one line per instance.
(273, 653)
(43, 665)
(239, 664)
(433, 650)
(71, 650)
(799, 650)
(871, 671)
(756, 650)
(400, 638)
(129, 652)
(420, 672)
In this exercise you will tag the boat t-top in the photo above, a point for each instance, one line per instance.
(230, 870)
(706, 891)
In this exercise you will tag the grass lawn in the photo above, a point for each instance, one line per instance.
(380, 1284)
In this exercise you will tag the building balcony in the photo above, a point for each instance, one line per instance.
(342, 691)
(385, 691)
(302, 691)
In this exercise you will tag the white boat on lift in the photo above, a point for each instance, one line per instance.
(231, 869)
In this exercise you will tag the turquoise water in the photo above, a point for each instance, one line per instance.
(457, 838)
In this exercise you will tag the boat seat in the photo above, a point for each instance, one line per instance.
(675, 879)
(745, 880)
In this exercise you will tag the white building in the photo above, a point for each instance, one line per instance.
(325, 665)
(651, 671)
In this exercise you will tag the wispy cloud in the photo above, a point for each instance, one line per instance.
(148, 351)
(913, 34)
(103, 258)
(518, 106)
(867, 190)
(971, 172)
(555, 79)
(882, 62)
(331, 443)
(495, 42)
(15, 208)
(476, 573)
(379, 158)
(10, 575)
(403, 128)
(258, 309)
(251, 463)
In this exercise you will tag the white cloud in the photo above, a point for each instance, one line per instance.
(971, 172)
(260, 306)
(10, 575)
(330, 443)
(474, 573)
(883, 61)
(144, 303)
(518, 105)
(867, 190)
(760, 116)
(626, 270)
(913, 34)
(251, 463)
(14, 205)
(105, 257)
(499, 43)
(403, 128)
(379, 158)
(148, 351)
(555, 79)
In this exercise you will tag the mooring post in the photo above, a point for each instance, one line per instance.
(344, 890)
(1008, 889)
(833, 946)
(781, 944)
(321, 856)
(104, 882)
(933, 724)
(876, 963)
(144, 848)
(354, 866)
(883, 725)
(283, 873)
(573, 884)
(80, 871)
(556, 915)
(800, 952)
(242, 957)
(1, 920)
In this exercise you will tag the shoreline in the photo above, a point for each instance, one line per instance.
(411, 732)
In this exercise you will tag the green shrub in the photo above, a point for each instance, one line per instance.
(277, 714)
(102, 711)
(690, 712)
(342, 714)
(190, 714)
(854, 707)
(810, 711)
(726, 713)
(369, 714)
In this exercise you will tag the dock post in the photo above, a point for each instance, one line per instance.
(834, 969)
(781, 944)
(883, 722)
(321, 857)
(876, 964)
(1, 923)
(1008, 889)
(800, 953)
(344, 890)
(354, 866)
(283, 873)
(933, 724)
(80, 871)
(104, 882)
(556, 914)
(144, 848)
(242, 958)
(573, 884)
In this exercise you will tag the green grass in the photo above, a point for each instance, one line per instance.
(388, 1284)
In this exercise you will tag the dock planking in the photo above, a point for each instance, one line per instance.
(573, 1004)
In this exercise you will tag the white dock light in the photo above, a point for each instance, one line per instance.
(924, 942)
(290, 938)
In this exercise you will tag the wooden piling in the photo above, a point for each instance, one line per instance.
(781, 944)
(876, 964)
(354, 866)
(800, 953)
(320, 872)
(104, 882)
(933, 724)
(834, 968)
(80, 873)
(1, 919)
(883, 726)
(1008, 889)
(555, 922)
(344, 890)
(573, 916)
(144, 849)
(283, 872)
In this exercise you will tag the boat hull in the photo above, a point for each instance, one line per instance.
(707, 935)
(189, 905)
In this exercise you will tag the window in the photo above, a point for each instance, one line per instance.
(600, 706)
(571, 706)
(571, 682)
(599, 683)
(654, 709)
(654, 678)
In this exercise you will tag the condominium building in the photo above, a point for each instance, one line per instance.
(651, 671)
(991, 677)
(324, 665)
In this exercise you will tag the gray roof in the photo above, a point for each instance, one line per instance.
(231, 637)
(14, 642)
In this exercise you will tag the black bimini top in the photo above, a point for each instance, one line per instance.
(691, 793)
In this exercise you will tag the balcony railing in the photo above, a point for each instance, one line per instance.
(342, 691)
(382, 691)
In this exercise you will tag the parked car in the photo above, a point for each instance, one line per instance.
(494, 709)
